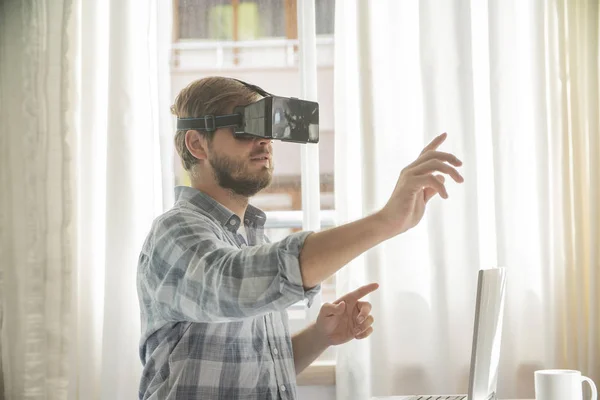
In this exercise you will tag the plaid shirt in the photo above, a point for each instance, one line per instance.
(214, 324)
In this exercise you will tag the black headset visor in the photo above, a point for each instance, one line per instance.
(273, 117)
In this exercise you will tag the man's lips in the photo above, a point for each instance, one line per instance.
(261, 157)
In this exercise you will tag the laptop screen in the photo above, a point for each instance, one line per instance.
(485, 353)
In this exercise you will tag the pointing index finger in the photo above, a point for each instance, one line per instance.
(364, 290)
(435, 143)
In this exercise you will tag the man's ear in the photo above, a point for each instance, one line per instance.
(197, 144)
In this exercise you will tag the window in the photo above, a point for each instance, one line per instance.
(246, 19)
(257, 41)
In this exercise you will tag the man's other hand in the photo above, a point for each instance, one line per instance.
(347, 318)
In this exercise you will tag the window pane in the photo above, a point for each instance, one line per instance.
(194, 18)
(271, 17)
(324, 16)
(214, 19)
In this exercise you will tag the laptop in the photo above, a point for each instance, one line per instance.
(485, 352)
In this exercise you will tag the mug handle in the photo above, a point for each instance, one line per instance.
(592, 385)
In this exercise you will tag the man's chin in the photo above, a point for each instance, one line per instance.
(264, 173)
(249, 189)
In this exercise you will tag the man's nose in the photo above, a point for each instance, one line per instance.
(263, 141)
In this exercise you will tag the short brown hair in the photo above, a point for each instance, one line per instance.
(214, 95)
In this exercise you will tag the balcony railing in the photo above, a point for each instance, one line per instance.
(293, 219)
(263, 53)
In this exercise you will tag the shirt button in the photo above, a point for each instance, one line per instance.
(282, 388)
(232, 222)
(275, 351)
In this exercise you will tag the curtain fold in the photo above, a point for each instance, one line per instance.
(36, 200)
(125, 171)
(86, 155)
(515, 84)
(578, 27)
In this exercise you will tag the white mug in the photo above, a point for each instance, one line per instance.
(561, 384)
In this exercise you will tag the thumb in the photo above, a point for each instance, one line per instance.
(328, 309)
(339, 308)
(428, 193)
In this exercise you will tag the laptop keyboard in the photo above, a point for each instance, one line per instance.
(437, 398)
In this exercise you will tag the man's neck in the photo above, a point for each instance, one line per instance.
(234, 202)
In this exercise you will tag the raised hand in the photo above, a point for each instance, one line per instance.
(417, 184)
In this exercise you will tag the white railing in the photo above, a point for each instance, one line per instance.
(294, 219)
(193, 44)
(261, 53)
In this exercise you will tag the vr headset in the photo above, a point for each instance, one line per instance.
(273, 117)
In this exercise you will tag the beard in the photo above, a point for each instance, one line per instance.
(233, 175)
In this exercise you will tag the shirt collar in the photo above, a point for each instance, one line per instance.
(253, 217)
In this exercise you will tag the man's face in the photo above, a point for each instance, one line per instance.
(244, 166)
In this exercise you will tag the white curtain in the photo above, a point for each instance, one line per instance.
(87, 158)
(515, 84)
(36, 200)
